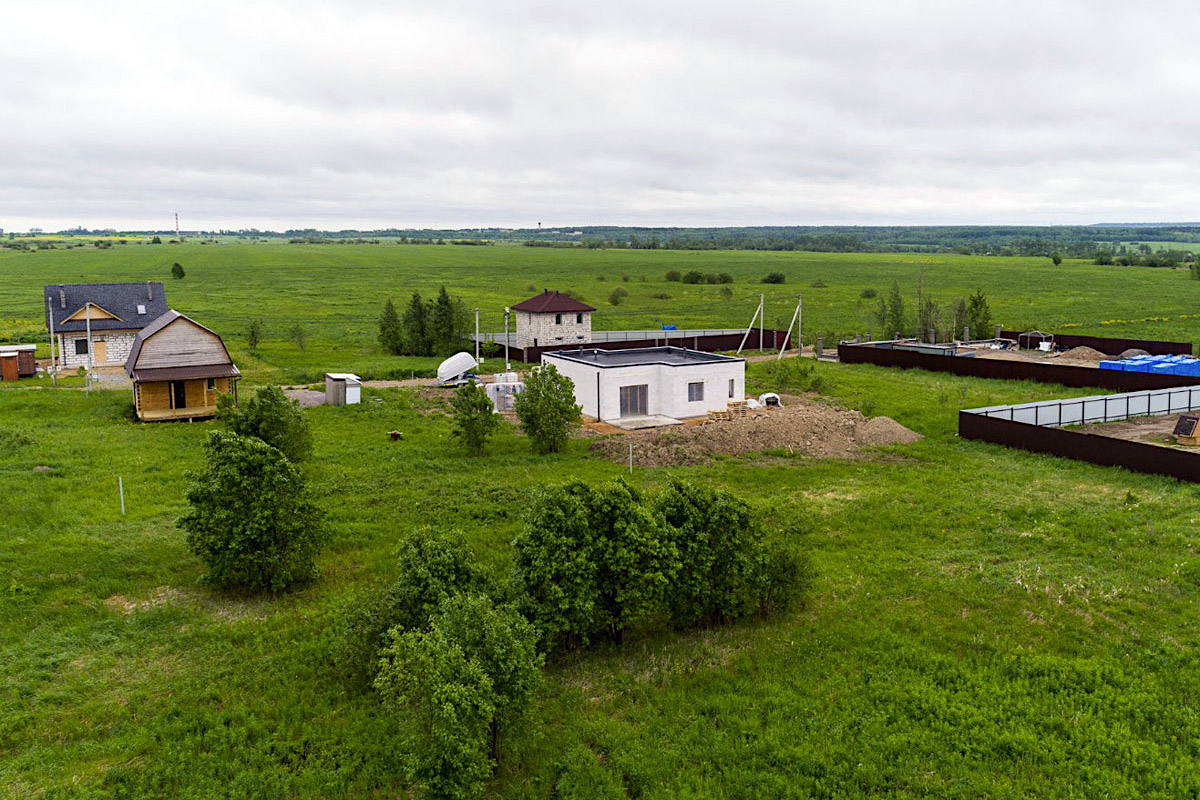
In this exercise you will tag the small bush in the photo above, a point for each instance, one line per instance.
(673, 276)
(660, 296)
(817, 284)
(775, 277)
(271, 416)
(724, 277)
(868, 294)
(251, 521)
(693, 276)
(726, 292)
(475, 420)
(617, 295)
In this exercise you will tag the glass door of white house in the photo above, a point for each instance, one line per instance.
(635, 400)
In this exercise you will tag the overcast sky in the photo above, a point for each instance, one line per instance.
(507, 112)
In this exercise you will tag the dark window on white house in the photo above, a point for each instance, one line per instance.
(558, 319)
(731, 387)
(695, 392)
(579, 319)
(81, 348)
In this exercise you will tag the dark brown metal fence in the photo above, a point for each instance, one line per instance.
(772, 339)
(1114, 347)
(1076, 377)
(1093, 448)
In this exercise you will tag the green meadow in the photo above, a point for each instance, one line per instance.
(336, 292)
(984, 622)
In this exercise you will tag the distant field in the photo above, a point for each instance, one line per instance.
(337, 291)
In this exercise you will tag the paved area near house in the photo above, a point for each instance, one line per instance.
(641, 423)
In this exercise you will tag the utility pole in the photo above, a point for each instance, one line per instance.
(477, 335)
(50, 313)
(507, 364)
(750, 327)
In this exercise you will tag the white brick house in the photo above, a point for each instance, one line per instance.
(668, 381)
(113, 312)
(553, 318)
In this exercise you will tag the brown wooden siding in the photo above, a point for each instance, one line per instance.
(181, 344)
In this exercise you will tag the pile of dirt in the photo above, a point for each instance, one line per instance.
(811, 429)
(1131, 352)
(1085, 354)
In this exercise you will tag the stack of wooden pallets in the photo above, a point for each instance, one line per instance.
(719, 416)
(738, 409)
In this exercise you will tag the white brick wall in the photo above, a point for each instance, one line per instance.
(540, 330)
(118, 344)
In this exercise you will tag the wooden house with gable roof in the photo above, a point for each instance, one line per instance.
(179, 369)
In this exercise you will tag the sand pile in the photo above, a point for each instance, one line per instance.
(1131, 352)
(811, 429)
(1086, 354)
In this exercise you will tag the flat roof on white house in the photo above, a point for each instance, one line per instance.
(642, 356)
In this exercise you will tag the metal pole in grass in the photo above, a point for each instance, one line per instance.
(121, 490)
(631, 458)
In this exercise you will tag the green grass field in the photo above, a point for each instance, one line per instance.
(985, 622)
(337, 291)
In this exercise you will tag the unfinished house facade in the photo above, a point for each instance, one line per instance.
(95, 324)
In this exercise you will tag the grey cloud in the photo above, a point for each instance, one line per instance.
(358, 114)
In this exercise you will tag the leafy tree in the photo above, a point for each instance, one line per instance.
(446, 325)
(673, 276)
(177, 271)
(693, 276)
(554, 566)
(254, 334)
(775, 277)
(251, 521)
(894, 311)
(431, 567)
(617, 295)
(504, 644)
(474, 418)
(547, 409)
(1056, 258)
(298, 336)
(275, 418)
(593, 560)
(391, 333)
(724, 277)
(929, 318)
(417, 339)
(718, 542)
(156, 240)
(979, 315)
(635, 560)
(446, 704)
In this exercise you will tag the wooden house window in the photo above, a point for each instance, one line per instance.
(212, 385)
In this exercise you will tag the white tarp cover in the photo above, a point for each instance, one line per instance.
(456, 365)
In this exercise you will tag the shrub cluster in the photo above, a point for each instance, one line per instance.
(452, 665)
(695, 276)
(595, 561)
(775, 277)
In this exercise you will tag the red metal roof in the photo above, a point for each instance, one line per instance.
(185, 373)
(549, 302)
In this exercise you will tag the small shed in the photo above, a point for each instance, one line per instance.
(342, 389)
(17, 361)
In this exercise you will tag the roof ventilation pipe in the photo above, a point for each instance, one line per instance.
(150, 290)
(62, 296)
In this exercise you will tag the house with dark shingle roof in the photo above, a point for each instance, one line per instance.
(553, 318)
(179, 369)
(112, 312)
